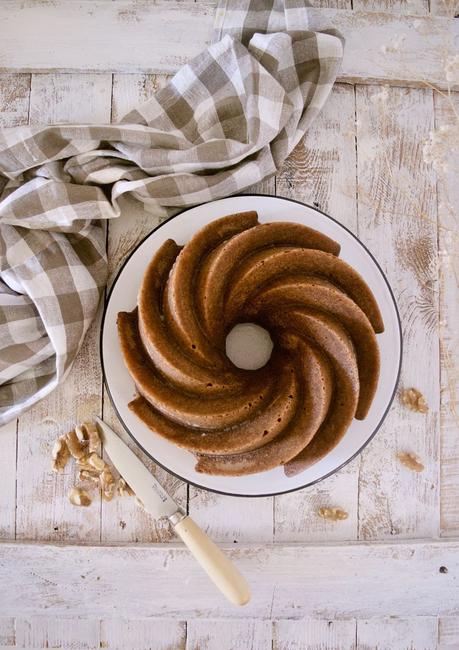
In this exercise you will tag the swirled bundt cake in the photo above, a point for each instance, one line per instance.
(322, 318)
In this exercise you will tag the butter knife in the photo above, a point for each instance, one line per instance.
(158, 503)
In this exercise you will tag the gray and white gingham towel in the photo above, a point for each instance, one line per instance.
(226, 120)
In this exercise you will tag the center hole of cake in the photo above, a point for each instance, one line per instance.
(249, 346)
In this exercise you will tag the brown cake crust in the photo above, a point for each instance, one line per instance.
(320, 313)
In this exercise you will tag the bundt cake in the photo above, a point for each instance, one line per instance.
(321, 316)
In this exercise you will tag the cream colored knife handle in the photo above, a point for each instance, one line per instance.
(215, 563)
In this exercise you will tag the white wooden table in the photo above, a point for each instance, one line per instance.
(388, 575)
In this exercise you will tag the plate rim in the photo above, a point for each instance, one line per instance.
(203, 487)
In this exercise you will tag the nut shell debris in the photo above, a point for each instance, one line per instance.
(414, 400)
(411, 461)
(332, 514)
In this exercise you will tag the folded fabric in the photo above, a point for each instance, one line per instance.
(225, 121)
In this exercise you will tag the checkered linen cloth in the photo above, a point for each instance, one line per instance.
(226, 120)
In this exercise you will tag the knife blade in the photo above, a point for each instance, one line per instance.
(159, 503)
(151, 493)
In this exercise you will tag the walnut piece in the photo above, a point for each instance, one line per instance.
(124, 489)
(87, 475)
(88, 434)
(411, 461)
(79, 497)
(76, 446)
(60, 454)
(333, 514)
(96, 462)
(414, 400)
(107, 484)
(83, 444)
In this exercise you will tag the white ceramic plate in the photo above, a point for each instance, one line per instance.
(123, 296)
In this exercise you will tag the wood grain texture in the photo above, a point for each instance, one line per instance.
(43, 509)
(217, 634)
(322, 172)
(14, 99)
(448, 633)
(74, 633)
(418, 633)
(326, 581)
(447, 164)
(409, 7)
(14, 111)
(61, 98)
(160, 37)
(122, 519)
(397, 220)
(332, 4)
(149, 634)
(7, 632)
(408, 633)
(8, 437)
(449, 8)
(314, 634)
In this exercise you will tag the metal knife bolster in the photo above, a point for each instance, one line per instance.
(177, 517)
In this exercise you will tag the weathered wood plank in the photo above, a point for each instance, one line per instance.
(160, 37)
(447, 165)
(14, 111)
(448, 633)
(248, 634)
(327, 581)
(122, 519)
(7, 633)
(397, 220)
(314, 634)
(75, 633)
(332, 4)
(44, 511)
(61, 98)
(322, 172)
(417, 633)
(151, 634)
(14, 99)
(8, 472)
(232, 519)
(448, 8)
(409, 7)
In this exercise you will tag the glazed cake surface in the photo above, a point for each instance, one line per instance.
(321, 316)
